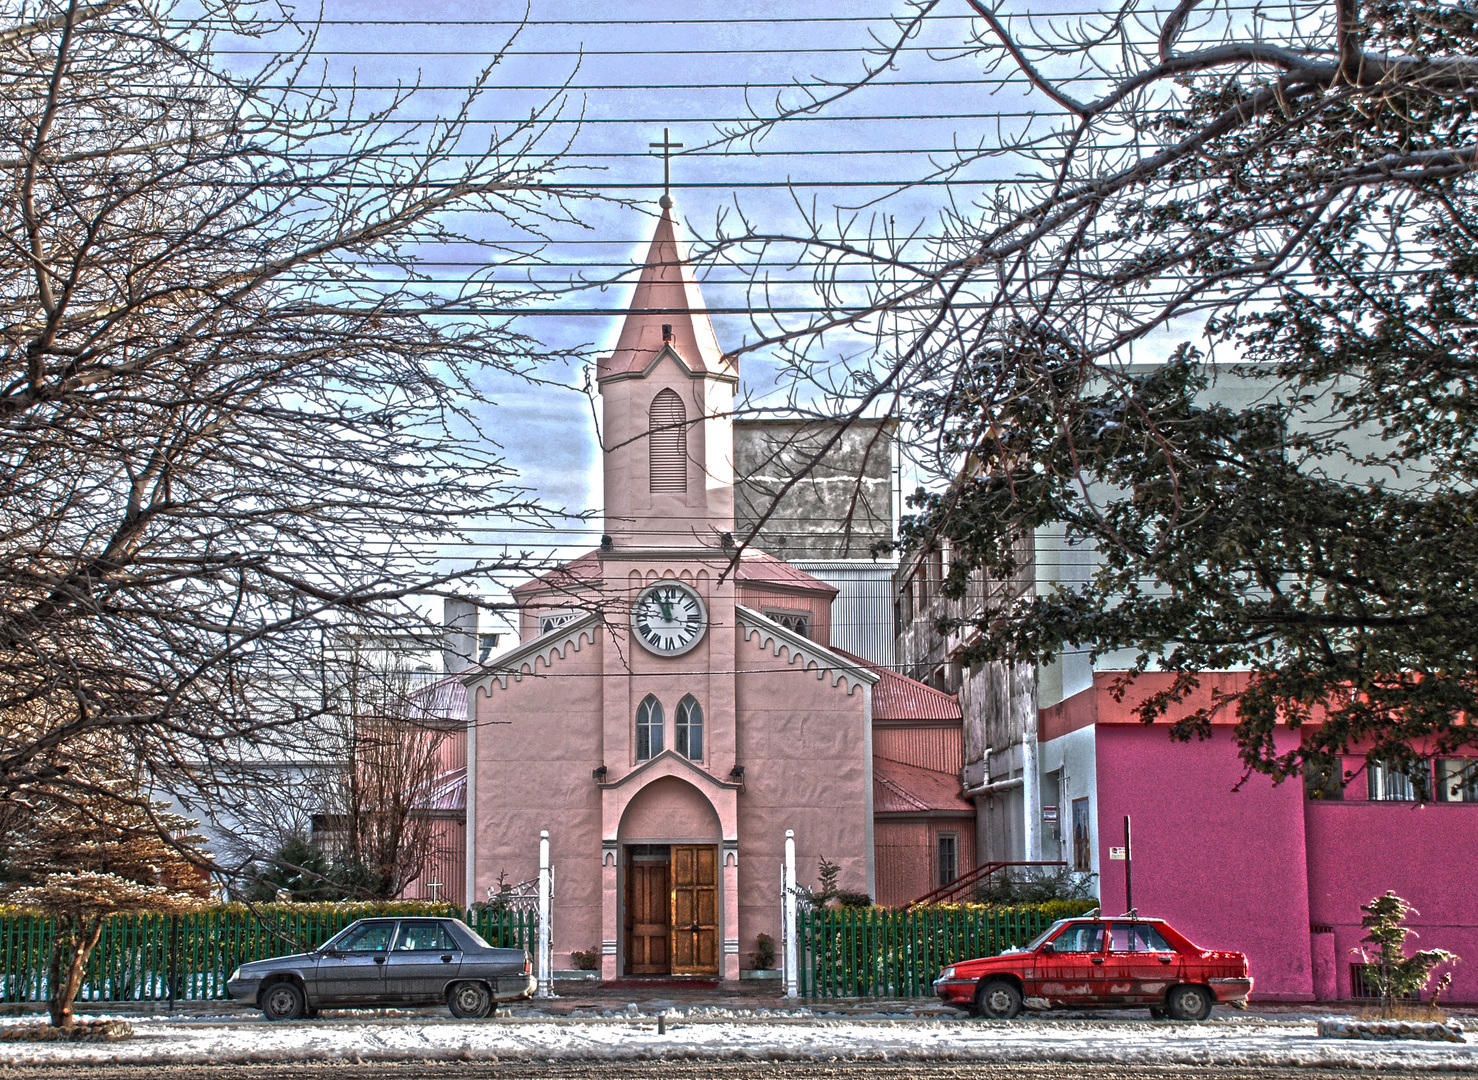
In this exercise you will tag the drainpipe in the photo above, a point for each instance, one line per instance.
(993, 788)
(1031, 797)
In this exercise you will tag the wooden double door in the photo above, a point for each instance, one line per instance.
(672, 909)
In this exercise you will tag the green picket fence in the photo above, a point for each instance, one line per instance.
(882, 952)
(188, 957)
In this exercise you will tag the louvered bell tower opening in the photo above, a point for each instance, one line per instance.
(668, 443)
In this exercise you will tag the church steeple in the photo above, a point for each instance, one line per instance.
(667, 296)
(667, 393)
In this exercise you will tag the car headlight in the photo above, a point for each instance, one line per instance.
(235, 975)
(947, 973)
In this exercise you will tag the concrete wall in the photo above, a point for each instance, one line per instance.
(806, 750)
(537, 741)
(1071, 760)
(1426, 853)
(1225, 867)
(841, 506)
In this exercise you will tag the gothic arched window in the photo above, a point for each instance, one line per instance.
(688, 736)
(667, 443)
(649, 728)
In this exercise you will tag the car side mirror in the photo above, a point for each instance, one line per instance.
(1049, 947)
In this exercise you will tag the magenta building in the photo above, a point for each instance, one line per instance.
(1276, 871)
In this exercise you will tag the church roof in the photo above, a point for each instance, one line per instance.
(755, 567)
(907, 789)
(666, 294)
(760, 568)
(897, 697)
(584, 570)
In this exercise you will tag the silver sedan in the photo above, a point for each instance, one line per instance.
(410, 961)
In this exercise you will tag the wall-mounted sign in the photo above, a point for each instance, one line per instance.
(1049, 813)
(1116, 853)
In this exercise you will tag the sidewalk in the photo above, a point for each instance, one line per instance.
(704, 1027)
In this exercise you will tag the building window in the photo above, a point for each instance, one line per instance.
(1322, 781)
(555, 620)
(797, 621)
(1082, 842)
(667, 443)
(688, 731)
(947, 845)
(649, 728)
(1457, 780)
(1394, 782)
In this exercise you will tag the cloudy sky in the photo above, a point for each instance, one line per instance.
(606, 80)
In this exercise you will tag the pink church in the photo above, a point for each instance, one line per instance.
(671, 712)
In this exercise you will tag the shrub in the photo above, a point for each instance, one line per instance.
(764, 952)
(1394, 974)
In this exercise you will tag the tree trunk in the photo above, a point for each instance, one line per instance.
(74, 943)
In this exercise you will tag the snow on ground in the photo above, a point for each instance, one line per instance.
(1244, 1041)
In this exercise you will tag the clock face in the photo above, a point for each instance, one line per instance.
(669, 618)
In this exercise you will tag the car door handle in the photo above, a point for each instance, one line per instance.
(447, 959)
(1166, 959)
(379, 959)
(1097, 959)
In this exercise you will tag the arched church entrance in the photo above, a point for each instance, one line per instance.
(670, 896)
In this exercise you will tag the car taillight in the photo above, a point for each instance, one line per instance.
(528, 966)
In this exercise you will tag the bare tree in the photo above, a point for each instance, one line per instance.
(386, 750)
(1288, 187)
(234, 409)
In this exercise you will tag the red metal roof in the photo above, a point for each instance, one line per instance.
(444, 701)
(907, 789)
(897, 697)
(757, 567)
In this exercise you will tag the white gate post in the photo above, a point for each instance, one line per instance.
(546, 911)
(792, 988)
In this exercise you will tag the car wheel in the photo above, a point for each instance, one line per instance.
(283, 1001)
(998, 1000)
(1190, 1003)
(469, 1001)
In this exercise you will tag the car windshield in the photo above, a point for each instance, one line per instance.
(1036, 942)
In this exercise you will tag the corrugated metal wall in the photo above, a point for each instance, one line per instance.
(446, 863)
(862, 613)
(938, 748)
(906, 854)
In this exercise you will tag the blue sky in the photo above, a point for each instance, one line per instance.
(701, 68)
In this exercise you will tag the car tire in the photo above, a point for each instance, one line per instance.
(1189, 1003)
(997, 1000)
(469, 1001)
(283, 1001)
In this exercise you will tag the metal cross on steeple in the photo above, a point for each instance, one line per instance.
(667, 146)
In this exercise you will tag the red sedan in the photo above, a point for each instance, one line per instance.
(1093, 961)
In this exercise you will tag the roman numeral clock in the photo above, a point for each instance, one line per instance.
(669, 618)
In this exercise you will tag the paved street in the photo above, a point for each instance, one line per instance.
(668, 1070)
